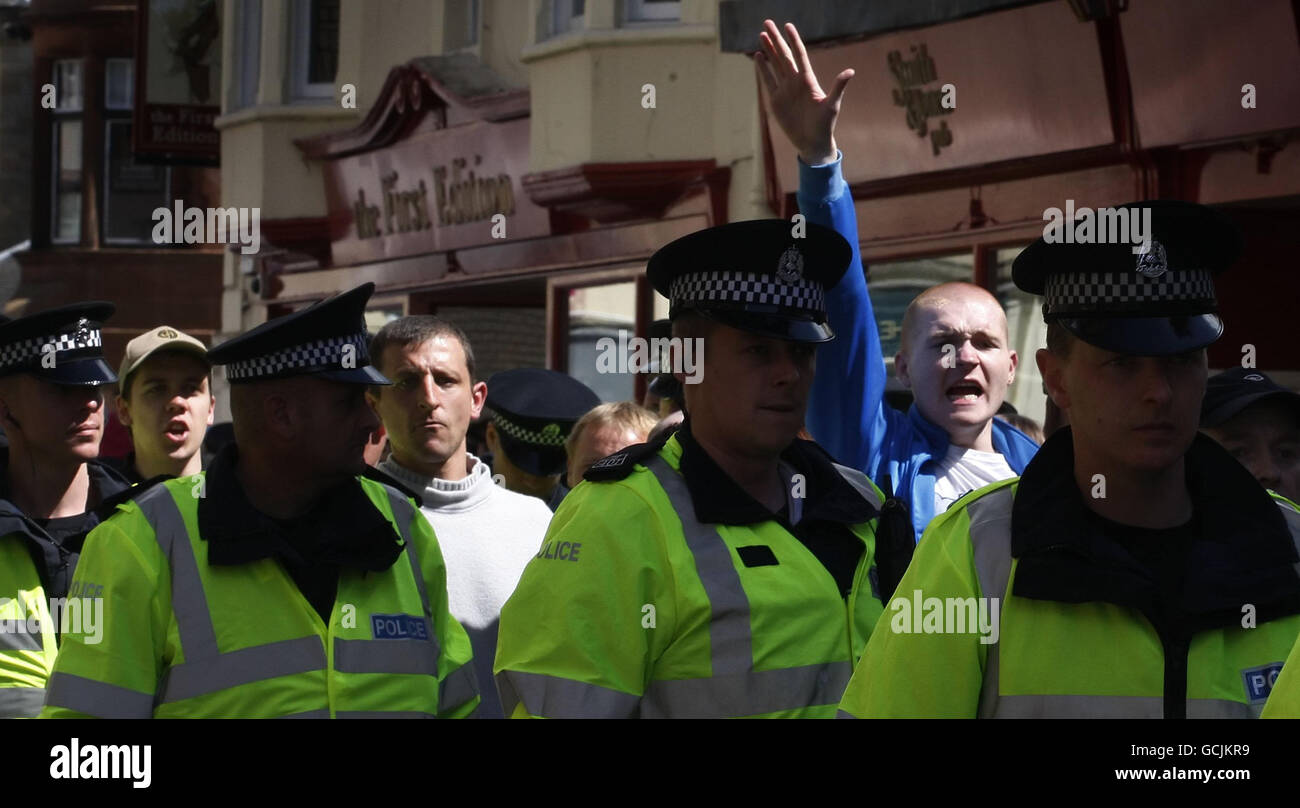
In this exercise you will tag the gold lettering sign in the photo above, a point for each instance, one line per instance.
(459, 197)
(921, 103)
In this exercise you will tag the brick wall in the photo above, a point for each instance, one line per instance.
(503, 338)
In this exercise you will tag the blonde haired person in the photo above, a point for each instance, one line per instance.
(602, 432)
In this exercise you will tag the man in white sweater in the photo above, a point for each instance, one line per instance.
(487, 533)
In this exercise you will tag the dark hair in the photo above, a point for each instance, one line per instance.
(417, 330)
(1059, 340)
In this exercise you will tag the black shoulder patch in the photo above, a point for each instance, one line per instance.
(372, 473)
(108, 506)
(620, 464)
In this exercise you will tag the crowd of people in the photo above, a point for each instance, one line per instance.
(766, 541)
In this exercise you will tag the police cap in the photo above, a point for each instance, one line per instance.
(62, 345)
(757, 276)
(327, 339)
(1157, 302)
(534, 411)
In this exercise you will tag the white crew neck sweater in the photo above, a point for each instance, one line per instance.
(487, 534)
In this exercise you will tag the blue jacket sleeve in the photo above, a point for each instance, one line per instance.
(846, 410)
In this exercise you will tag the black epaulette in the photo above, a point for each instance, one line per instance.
(620, 464)
(372, 473)
(108, 506)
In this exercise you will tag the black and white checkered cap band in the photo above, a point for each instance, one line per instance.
(722, 286)
(19, 354)
(1065, 292)
(317, 355)
(545, 437)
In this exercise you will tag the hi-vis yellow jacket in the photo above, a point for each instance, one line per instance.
(633, 607)
(1082, 630)
(186, 639)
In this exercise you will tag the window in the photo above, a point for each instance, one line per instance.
(653, 10)
(461, 24)
(893, 285)
(248, 54)
(1028, 333)
(131, 190)
(65, 199)
(119, 87)
(314, 33)
(596, 316)
(566, 15)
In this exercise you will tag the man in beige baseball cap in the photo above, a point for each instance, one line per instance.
(165, 400)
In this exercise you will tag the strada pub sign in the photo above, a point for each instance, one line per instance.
(922, 102)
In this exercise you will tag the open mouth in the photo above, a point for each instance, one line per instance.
(176, 432)
(964, 392)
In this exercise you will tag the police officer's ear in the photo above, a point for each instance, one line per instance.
(124, 411)
(7, 394)
(280, 414)
(492, 440)
(1051, 368)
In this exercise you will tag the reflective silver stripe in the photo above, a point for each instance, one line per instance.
(1080, 706)
(242, 667)
(13, 639)
(1065, 706)
(1222, 708)
(309, 714)
(990, 536)
(460, 687)
(21, 702)
(385, 656)
(403, 513)
(752, 693)
(729, 629)
(189, 604)
(862, 483)
(97, 699)
(554, 697)
(382, 714)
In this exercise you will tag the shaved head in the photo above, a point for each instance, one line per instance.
(948, 294)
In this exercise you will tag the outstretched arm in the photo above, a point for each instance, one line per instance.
(846, 409)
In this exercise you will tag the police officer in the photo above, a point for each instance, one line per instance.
(1136, 569)
(533, 412)
(726, 570)
(287, 579)
(52, 410)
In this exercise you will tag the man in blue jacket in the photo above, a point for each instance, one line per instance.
(955, 353)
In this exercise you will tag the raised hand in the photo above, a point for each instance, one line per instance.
(804, 111)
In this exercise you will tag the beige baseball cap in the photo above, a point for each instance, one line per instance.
(162, 338)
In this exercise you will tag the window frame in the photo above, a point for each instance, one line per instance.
(247, 56)
(639, 11)
(59, 115)
(300, 90)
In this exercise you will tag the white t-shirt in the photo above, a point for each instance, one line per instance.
(963, 470)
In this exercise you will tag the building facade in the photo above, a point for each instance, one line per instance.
(512, 165)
